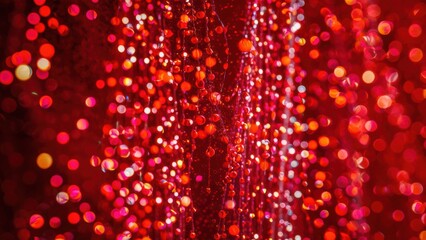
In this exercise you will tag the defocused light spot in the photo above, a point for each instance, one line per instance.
(62, 138)
(36, 221)
(384, 102)
(45, 102)
(82, 124)
(44, 160)
(23, 72)
(416, 55)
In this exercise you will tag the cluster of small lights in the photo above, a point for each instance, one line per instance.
(301, 120)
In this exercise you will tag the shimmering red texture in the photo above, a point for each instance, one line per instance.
(216, 119)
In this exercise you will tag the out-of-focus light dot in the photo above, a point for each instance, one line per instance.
(39, 2)
(63, 30)
(422, 235)
(53, 23)
(100, 84)
(351, 2)
(44, 160)
(90, 102)
(323, 141)
(398, 215)
(33, 18)
(379, 144)
(74, 193)
(55, 222)
(341, 209)
(82, 124)
(127, 82)
(6, 77)
(384, 102)
(340, 71)
(23, 72)
(416, 55)
(370, 126)
(418, 207)
(45, 11)
(329, 235)
(368, 76)
(127, 64)
(362, 162)
(121, 48)
(385, 27)
(84, 207)
(40, 28)
(377, 206)
(186, 201)
(43, 64)
(314, 54)
(45, 102)
(298, 194)
(340, 101)
(31, 34)
(230, 204)
(62, 138)
(22, 57)
(111, 82)
(98, 228)
(415, 30)
(56, 181)
(91, 14)
(89, 216)
(73, 218)
(73, 164)
(342, 154)
(234, 230)
(417, 188)
(47, 50)
(62, 198)
(245, 45)
(374, 10)
(36, 221)
(73, 10)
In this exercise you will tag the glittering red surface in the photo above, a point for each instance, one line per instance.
(215, 119)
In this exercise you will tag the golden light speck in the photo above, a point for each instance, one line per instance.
(385, 27)
(340, 71)
(368, 77)
(23, 72)
(43, 64)
(384, 102)
(44, 160)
